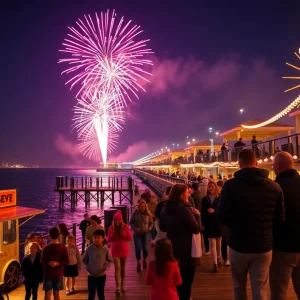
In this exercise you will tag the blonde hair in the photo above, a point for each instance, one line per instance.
(36, 245)
(70, 237)
(217, 188)
(147, 211)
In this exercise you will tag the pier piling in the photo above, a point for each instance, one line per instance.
(94, 188)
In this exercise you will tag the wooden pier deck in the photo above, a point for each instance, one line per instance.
(94, 188)
(207, 285)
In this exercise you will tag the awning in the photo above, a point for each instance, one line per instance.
(17, 212)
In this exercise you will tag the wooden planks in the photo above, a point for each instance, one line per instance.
(207, 285)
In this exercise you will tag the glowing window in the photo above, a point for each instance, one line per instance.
(9, 234)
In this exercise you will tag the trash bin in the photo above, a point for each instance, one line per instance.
(124, 211)
(108, 217)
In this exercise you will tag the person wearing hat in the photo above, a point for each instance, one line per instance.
(119, 235)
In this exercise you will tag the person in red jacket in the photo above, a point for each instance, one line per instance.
(118, 235)
(163, 273)
(54, 258)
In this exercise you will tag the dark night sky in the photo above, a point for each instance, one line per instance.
(211, 58)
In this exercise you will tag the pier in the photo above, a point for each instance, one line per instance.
(94, 188)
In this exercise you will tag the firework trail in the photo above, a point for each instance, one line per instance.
(107, 62)
(290, 107)
(99, 114)
(293, 77)
(89, 144)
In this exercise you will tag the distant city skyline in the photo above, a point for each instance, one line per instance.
(212, 68)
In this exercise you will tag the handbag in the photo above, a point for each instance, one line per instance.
(196, 246)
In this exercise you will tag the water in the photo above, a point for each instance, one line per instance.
(35, 188)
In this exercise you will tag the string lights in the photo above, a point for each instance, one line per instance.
(283, 113)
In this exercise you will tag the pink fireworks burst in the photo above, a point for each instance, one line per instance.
(106, 54)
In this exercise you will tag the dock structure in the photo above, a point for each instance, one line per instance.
(94, 188)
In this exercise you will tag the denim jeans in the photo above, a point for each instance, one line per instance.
(96, 283)
(141, 242)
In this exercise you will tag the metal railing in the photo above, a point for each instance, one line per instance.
(160, 186)
(262, 150)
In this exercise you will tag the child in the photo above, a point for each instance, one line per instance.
(163, 273)
(71, 270)
(54, 258)
(31, 237)
(118, 235)
(97, 259)
(32, 270)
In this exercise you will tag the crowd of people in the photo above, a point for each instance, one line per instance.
(249, 220)
(252, 223)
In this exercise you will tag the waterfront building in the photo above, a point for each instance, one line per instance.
(206, 157)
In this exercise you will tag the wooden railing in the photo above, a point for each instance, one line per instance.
(94, 182)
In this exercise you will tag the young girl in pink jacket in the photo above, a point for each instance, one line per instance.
(163, 273)
(118, 235)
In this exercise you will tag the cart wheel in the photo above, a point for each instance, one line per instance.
(12, 275)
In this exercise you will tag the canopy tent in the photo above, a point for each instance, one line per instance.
(17, 212)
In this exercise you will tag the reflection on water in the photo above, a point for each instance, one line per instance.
(35, 188)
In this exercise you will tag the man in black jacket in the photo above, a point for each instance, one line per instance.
(251, 205)
(286, 254)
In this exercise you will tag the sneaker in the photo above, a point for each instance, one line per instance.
(207, 253)
(226, 263)
(139, 267)
(144, 264)
(216, 268)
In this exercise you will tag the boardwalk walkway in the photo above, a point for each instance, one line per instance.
(207, 285)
